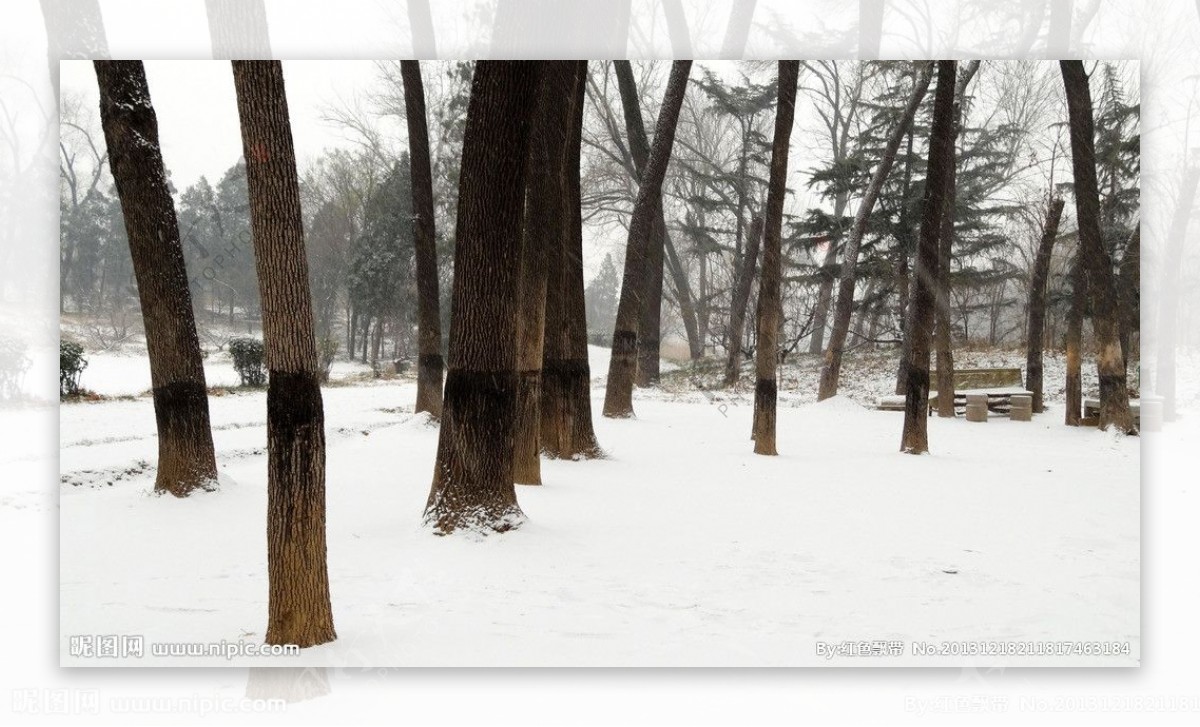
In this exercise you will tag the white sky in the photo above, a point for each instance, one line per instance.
(197, 110)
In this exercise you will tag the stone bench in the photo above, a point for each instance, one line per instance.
(999, 384)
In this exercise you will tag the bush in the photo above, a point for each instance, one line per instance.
(248, 360)
(71, 363)
(327, 349)
(13, 365)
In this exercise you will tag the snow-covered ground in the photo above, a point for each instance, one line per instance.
(680, 548)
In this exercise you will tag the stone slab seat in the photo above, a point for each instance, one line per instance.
(998, 383)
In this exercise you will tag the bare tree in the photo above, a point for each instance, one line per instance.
(915, 436)
(429, 363)
(1074, 342)
(299, 610)
(1114, 396)
(618, 396)
(1036, 331)
(1168, 313)
(742, 282)
(770, 309)
(186, 460)
(832, 367)
(473, 477)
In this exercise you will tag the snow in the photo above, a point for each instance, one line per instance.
(682, 548)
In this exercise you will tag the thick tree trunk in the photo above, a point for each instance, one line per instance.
(832, 367)
(545, 230)
(238, 29)
(299, 606)
(186, 460)
(1106, 314)
(566, 401)
(473, 478)
(770, 307)
(1074, 343)
(915, 436)
(1036, 331)
(1168, 312)
(618, 396)
(743, 281)
(945, 356)
(429, 319)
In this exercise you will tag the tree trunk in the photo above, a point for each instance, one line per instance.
(770, 306)
(832, 367)
(618, 396)
(740, 300)
(545, 229)
(905, 250)
(1036, 332)
(473, 478)
(238, 29)
(429, 354)
(1106, 324)
(1074, 342)
(73, 30)
(915, 436)
(1168, 312)
(1128, 282)
(650, 326)
(566, 401)
(186, 460)
(299, 606)
(945, 356)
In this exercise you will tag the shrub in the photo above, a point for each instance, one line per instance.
(248, 360)
(71, 363)
(13, 365)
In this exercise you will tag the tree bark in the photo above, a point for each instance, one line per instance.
(904, 249)
(1036, 331)
(832, 367)
(545, 229)
(429, 324)
(238, 29)
(618, 396)
(650, 326)
(1106, 324)
(1128, 293)
(915, 436)
(299, 607)
(1074, 343)
(770, 307)
(473, 478)
(945, 356)
(1168, 312)
(740, 300)
(566, 402)
(186, 460)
